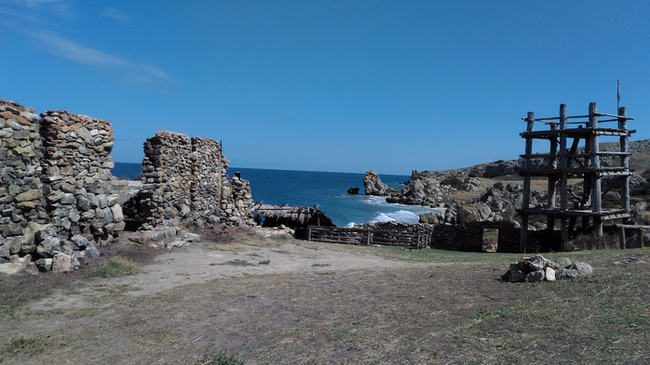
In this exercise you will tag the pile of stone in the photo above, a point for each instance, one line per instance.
(185, 182)
(237, 204)
(537, 268)
(55, 190)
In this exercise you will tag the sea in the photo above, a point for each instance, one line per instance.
(325, 190)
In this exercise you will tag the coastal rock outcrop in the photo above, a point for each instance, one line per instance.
(373, 185)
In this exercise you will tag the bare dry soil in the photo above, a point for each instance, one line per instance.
(282, 301)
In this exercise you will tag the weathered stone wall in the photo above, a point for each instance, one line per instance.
(77, 176)
(166, 174)
(55, 190)
(21, 190)
(186, 182)
(208, 173)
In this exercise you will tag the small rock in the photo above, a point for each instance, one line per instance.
(64, 263)
(11, 268)
(535, 276)
(564, 262)
(583, 268)
(192, 237)
(550, 274)
(174, 244)
(514, 276)
(566, 274)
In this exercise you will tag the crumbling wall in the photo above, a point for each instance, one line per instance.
(186, 182)
(21, 190)
(166, 177)
(209, 171)
(77, 176)
(55, 190)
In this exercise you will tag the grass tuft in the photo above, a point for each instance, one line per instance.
(115, 267)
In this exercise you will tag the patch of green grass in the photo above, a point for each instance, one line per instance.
(115, 267)
(222, 358)
(320, 265)
(264, 262)
(28, 346)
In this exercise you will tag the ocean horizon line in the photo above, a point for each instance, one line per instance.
(233, 168)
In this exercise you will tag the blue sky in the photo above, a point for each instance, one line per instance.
(328, 85)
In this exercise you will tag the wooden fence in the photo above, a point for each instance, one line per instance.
(355, 236)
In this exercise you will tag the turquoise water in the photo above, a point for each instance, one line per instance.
(326, 190)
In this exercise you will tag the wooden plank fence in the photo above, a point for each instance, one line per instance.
(356, 236)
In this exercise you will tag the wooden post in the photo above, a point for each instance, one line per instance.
(564, 196)
(622, 237)
(596, 197)
(523, 238)
(552, 180)
(625, 159)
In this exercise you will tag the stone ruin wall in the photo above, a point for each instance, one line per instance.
(185, 182)
(55, 190)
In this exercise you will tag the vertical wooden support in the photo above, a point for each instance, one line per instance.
(596, 196)
(564, 196)
(625, 160)
(552, 179)
(622, 237)
(523, 238)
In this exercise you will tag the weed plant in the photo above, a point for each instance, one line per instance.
(115, 267)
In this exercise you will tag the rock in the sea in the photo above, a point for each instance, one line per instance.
(373, 185)
(353, 191)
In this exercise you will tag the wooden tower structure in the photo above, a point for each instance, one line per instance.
(566, 161)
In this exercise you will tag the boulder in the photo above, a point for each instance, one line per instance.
(353, 191)
(566, 274)
(12, 268)
(514, 276)
(535, 276)
(583, 268)
(563, 262)
(472, 213)
(64, 263)
(373, 185)
(549, 273)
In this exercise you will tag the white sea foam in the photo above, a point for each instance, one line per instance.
(398, 216)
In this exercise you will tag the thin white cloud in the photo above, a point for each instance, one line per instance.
(71, 50)
(61, 7)
(28, 18)
(129, 72)
(116, 15)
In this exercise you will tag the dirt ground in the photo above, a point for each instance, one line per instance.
(283, 301)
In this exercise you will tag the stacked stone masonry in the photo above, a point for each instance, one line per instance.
(55, 191)
(186, 183)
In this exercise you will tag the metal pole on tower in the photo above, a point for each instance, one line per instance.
(618, 94)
